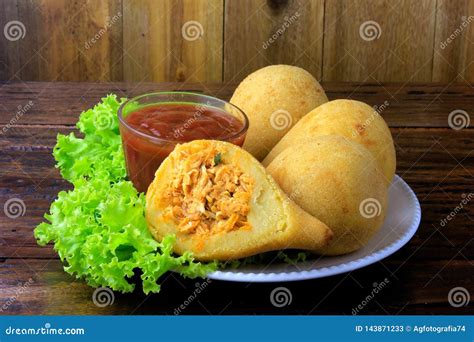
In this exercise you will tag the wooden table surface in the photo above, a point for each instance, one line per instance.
(434, 159)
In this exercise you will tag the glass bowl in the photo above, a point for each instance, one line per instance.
(177, 117)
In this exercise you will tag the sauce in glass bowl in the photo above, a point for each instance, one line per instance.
(153, 124)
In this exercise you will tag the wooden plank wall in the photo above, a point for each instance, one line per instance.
(224, 40)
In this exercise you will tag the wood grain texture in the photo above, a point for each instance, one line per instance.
(260, 33)
(70, 40)
(171, 40)
(454, 44)
(142, 40)
(435, 160)
(402, 105)
(396, 44)
(417, 287)
(9, 49)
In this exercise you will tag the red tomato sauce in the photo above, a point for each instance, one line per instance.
(153, 131)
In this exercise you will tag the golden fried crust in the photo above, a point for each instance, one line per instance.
(274, 99)
(351, 119)
(332, 178)
(275, 222)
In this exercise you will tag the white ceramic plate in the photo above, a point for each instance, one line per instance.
(401, 222)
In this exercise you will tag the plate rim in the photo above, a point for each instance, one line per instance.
(274, 277)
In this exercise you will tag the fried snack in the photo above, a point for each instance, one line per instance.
(337, 181)
(274, 99)
(221, 204)
(351, 119)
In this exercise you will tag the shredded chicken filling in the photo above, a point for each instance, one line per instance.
(207, 196)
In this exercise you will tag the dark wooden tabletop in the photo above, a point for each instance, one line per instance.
(436, 160)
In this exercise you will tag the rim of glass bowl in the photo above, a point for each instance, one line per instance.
(156, 139)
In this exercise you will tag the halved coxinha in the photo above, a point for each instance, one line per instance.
(221, 204)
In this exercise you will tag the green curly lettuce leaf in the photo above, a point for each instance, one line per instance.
(101, 148)
(99, 228)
